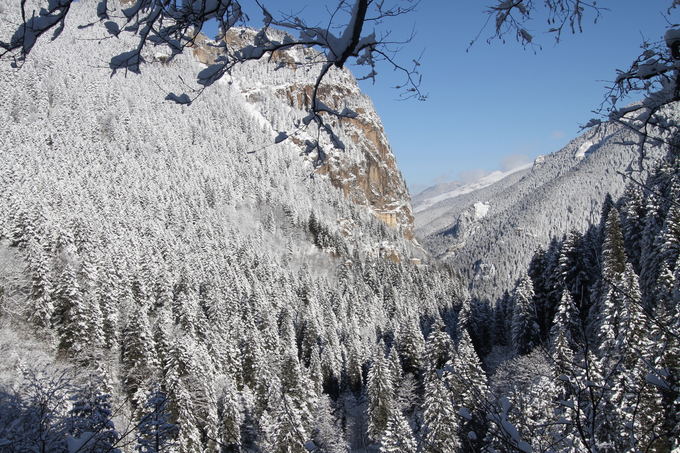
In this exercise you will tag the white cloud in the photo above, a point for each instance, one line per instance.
(507, 163)
(514, 160)
(444, 177)
(416, 188)
(473, 175)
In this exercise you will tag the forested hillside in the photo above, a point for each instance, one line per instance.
(181, 279)
(562, 191)
(172, 280)
(594, 326)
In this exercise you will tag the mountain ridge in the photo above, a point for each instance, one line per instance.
(569, 184)
(441, 192)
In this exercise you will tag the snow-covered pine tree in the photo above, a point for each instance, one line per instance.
(634, 322)
(380, 393)
(613, 247)
(650, 257)
(441, 423)
(315, 372)
(155, 431)
(563, 337)
(536, 270)
(479, 326)
(554, 282)
(72, 316)
(525, 329)
(502, 319)
(411, 346)
(282, 426)
(297, 386)
(42, 304)
(394, 365)
(251, 351)
(327, 434)
(108, 303)
(90, 421)
(398, 436)
(670, 237)
(353, 364)
(633, 213)
(185, 307)
(89, 278)
(604, 313)
(466, 381)
(230, 414)
(573, 267)
(138, 356)
(22, 228)
(438, 347)
(192, 400)
(287, 335)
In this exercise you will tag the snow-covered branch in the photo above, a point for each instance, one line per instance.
(176, 26)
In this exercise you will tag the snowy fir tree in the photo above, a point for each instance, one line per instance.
(91, 421)
(398, 437)
(156, 432)
(440, 419)
(380, 393)
(564, 334)
(525, 329)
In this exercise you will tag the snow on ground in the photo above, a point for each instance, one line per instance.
(481, 210)
(485, 181)
(540, 160)
(583, 149)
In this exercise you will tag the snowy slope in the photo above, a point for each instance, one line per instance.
(145, 244)
(423, 203)
(559, 192)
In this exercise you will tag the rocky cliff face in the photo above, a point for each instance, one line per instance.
(366, 171)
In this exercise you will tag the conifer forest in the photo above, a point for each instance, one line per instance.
(242, 273)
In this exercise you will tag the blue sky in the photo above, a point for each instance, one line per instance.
(496, 104)
(492, 105)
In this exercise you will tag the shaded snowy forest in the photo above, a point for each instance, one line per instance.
(594, 328)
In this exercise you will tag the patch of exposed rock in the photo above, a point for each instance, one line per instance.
(366, 171)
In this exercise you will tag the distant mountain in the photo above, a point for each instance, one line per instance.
(435, 195)
(489, 230)
(433, 191)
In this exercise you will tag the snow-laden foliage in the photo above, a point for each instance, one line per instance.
(159, 30)
(604, 375)
(559, 193)
(223, 293)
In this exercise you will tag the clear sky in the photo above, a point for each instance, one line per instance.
(492, 105)
(497, 104)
